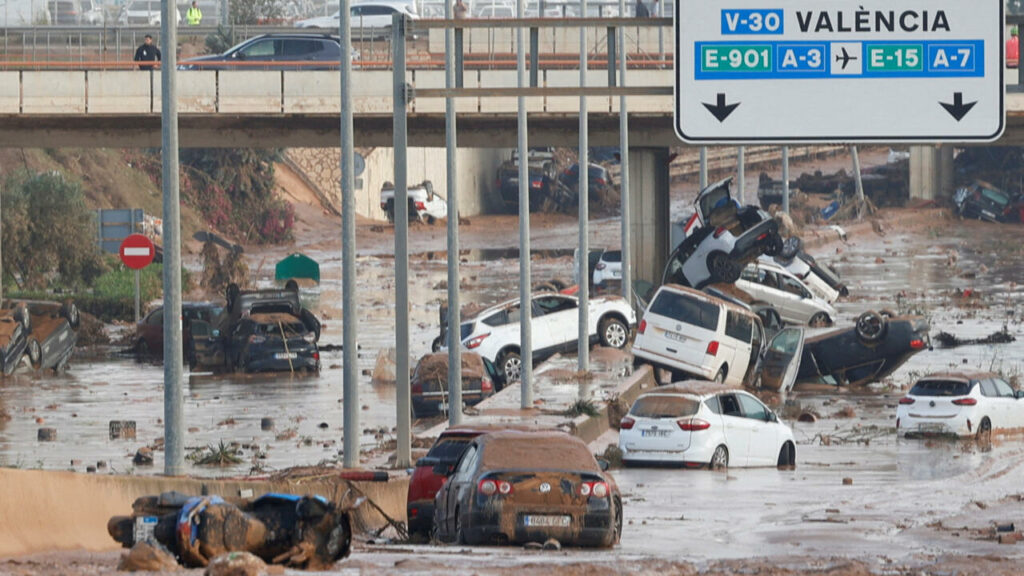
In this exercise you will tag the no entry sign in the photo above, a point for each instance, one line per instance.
(137, 251)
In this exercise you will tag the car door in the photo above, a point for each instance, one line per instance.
(264, 50)
(206, 348)
(780, 361)
(737, 429)
(763, 432)
(1010, 412)
(798, 299)
(458, 484)
(560, 318)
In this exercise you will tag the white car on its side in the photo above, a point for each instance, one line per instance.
(494, 333)
(425, 205)
(768, 282)
(963, 405)
(698, 423)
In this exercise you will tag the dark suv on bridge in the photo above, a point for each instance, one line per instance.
(289, 51)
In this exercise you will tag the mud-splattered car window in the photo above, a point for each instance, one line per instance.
(449, 449)
(941, 388)
(664, 406)
(686, 309)
(537, 453)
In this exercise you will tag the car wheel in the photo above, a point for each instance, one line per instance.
(722, 268)
(820, 320)
(720, 459)
(985, 432)
(618, 522)
(787, 456)
(871, 326)
(511, 365)
(545, 287)
(614, 333)
(720, 376)
(70, 311)
(35, 354)
(559, 284)
(435, 346)
(790, 248)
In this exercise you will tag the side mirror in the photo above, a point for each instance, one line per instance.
(773, 417)
(603, 464)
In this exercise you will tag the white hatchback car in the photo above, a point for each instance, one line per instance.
(365, 16)
(608, 268)
(768, 282)
(494, 333)
(698, 423)
(963, 405)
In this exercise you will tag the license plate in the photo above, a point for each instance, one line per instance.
(675, 336)
(547, 521)
(653, 433)
(989, 214)
(930, 427)
(285, 355)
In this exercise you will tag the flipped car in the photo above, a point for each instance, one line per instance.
(272, 342)
(823, 281)
(698, 423)
(961, 405)
(877, 344)
(517, 487)
(429, 384)
(15, 324)
(541, 170)
(53, 336)
(306, 532)
(984, 201)
(723, 237)
(771, 283)
(494, 332)
(425, 205)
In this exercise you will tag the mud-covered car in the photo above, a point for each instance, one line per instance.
(518, 487)
(307, 532)
(274, 342)
(149, 332)
(877, 344)
(984, 201)
(53, 335)
(15, 323)
(425, 205)
(430, 395)
(729, 237)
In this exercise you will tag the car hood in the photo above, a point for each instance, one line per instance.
(209, 58)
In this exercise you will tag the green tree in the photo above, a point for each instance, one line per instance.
(49, 235)
(252, 12)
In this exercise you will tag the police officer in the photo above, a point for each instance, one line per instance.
(147, 54)
(194, 15)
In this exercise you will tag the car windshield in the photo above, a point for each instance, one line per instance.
(941, 388)
(664, 406)
(685, 308)
(996, 196)
(449, 449)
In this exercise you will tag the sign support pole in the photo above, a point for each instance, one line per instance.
(137, 306)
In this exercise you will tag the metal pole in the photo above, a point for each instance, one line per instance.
(137, 297)
(741, 174)
(584, 197)
(626, 245)
(350, 318)
(174, 425)
(661, 32)
(525, 279)
(404, 440)
(703, 167)
(785, 179)
(856, 176)
(454, 311)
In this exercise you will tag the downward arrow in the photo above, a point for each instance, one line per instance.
(958, 109)
(721, 110)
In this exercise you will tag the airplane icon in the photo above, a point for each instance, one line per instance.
(845, 58)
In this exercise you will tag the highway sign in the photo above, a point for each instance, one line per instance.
(788, 71)
(137, 251)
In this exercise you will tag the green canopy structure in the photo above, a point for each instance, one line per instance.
(297, 266)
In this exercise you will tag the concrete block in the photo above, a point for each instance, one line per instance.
(435, 79)
(197, 91)
(372, 92)
(648, 104)
(120, 92)
(51, 92)
(505, 79)
(571, 104)
(249, 91)
(10, 92)
(313, 91)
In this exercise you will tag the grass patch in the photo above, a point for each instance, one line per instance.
(582, 407)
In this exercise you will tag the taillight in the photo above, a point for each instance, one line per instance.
(600, 181)
(712, 347)
(475, 342)
(595, 489)
(693, 424)
(504, 488)
(965, 401)
(383, 206)
(417, 388)
(486, 385)
(490, 487)
(907, 400)
(420, 206)
(601, 266)
(626, 423)
(316, 355)
(917, 344)
(762, 236)
(642, 327)
(719, 231)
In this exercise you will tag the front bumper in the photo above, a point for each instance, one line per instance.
(691, 455)
(271, 364)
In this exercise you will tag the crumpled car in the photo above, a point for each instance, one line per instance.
(984, 201)
(307, 532)
(729, 237)
(53, 334)
(15, 323)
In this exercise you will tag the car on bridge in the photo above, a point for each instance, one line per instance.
(370, 16)
(284, 51)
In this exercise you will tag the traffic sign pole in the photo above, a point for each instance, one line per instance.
(137, 297)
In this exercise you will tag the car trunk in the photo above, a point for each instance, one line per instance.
(548, 501)
(937, 399)
(656, 423)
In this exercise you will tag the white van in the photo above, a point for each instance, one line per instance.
(692, 333)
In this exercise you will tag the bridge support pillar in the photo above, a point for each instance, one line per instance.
(649, 208)
(931, 172)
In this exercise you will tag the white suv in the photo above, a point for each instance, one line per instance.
(766, 281)
(494, 333)
(960, 405)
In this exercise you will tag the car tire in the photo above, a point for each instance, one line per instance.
(887, 313)
(613, 333)
(722, 268)
(545, 287)
(820, 320)
(871, 327)
(35, 354)
(720, 459)
(985, 432)
(787, 456)
(790, 248)
(435, 346)
(721, 375)
(511, 365)
(559, 284)
(70, 311)
(618, 521)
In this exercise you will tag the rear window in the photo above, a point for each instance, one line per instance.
(538, 453)
(612, 256)
(737, 326)
(685, 308)
(659, 406)
(941, 388)
(449, 449)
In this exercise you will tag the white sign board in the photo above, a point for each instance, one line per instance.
(787, 71)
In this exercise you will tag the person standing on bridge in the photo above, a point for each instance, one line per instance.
(641, 10)
(194, 15)
(460, 11)
(147, 54)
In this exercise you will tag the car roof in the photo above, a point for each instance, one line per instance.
(962, 376)
(488, 311)
(474, 430)
(300, 35)
(708, 297)
(696, 388)
(578, 457)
